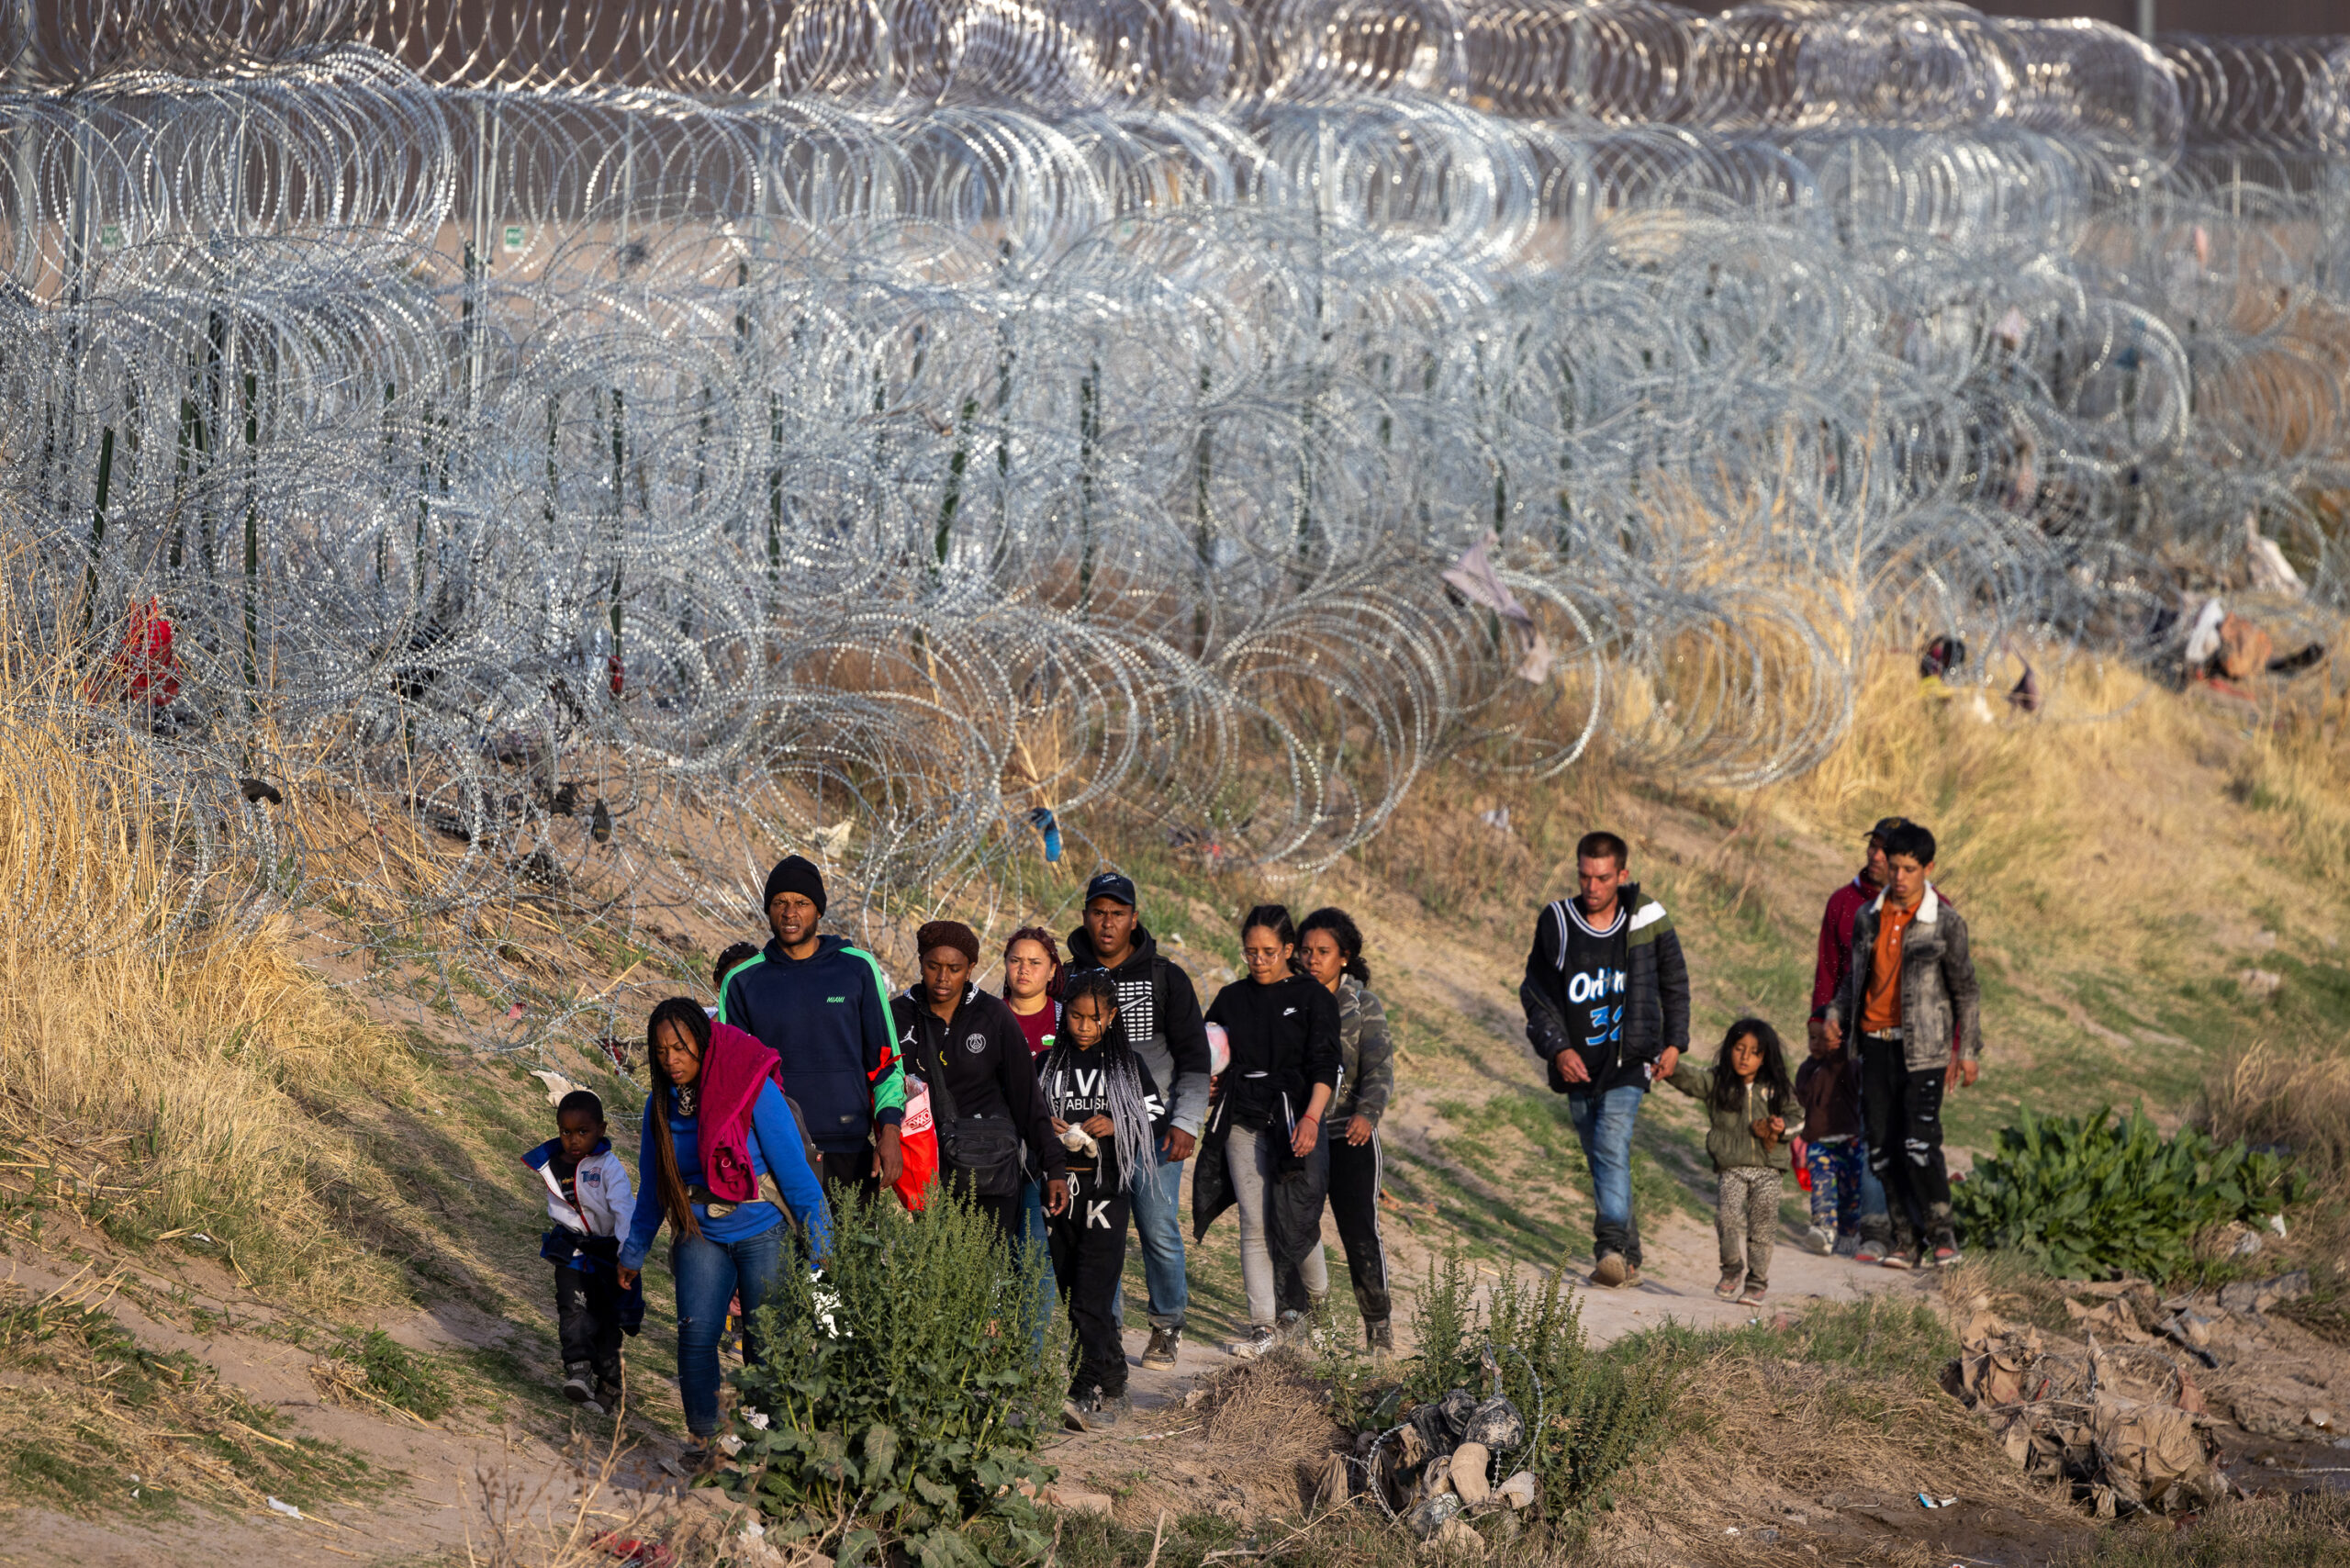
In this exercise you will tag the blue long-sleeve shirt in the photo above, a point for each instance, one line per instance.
(774, 1147)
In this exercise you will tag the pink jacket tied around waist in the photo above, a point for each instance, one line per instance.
(733, 1072)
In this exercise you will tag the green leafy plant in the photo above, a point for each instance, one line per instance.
(1589, 1414)
(396, 1374)
(902, 1395)
(2104, 1195)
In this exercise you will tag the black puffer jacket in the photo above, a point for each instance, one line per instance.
(1656, 997)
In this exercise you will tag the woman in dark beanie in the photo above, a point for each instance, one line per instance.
(967, 1046)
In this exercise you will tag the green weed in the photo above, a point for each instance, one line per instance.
(396, 1374)
(1592, 1415)
(904, 1393)
(2097, 1195)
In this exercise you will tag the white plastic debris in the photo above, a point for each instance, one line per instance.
(557, 1086)
(288, 1509)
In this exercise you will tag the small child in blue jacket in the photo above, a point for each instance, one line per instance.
(589, 1199)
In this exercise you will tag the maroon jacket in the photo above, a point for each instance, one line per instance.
(732, 1075)
(1845, 906)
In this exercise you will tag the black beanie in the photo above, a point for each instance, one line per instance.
(795, 874)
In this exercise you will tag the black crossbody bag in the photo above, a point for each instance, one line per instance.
(985, 1150)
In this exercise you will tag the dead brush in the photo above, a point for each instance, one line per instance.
(1260, 1432)
(1271, 1405)
(2300, 1100)
(573, 1518)
(1772, 1421)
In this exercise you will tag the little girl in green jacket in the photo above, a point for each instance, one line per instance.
(1752, 1111)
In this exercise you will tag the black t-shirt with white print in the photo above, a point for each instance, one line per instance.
(1076, 1092)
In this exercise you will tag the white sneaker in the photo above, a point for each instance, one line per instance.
(1260, 1340)
(1821, 1239)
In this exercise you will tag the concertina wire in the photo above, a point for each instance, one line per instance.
(583, 450)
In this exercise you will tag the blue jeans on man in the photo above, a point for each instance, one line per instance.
(1156, 1201)
(1604, 1124)
(709, 1275)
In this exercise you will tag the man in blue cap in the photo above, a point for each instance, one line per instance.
(1164, 1024)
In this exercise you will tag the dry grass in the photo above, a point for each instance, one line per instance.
(90, 1421)
(2077, 808)
(1780, 1412)
(2118, 797)
(159, 1073)
(575, 1516)
(2297, 774)
(1245, 1449)
(2300, 1100)
(2311, 1530)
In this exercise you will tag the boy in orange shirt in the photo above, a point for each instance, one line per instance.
(1908, 992)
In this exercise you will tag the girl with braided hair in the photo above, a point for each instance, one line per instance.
(1109, 1113)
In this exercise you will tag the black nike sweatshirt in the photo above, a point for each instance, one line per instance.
(1284, 1040)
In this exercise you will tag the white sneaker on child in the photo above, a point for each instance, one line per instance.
(1821, 1239)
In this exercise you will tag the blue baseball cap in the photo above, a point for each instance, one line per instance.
(1112, 885)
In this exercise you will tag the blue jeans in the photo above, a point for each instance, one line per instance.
(1034, 1233)
(1158, 1224)
(1604, 1124)
(1872, 1190)
(709, 1272)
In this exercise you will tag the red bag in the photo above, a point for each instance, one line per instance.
(1799, 1165)
(918, 1143)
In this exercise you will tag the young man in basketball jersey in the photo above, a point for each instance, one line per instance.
(1607, 998)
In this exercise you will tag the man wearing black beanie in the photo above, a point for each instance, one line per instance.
(823, 1005)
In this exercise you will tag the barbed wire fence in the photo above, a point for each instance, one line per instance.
(582, 450)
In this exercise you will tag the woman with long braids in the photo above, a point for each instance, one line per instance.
(722, 1162)
(1330, 946)
(1109, 1114)
(1264, 1148)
